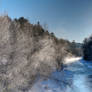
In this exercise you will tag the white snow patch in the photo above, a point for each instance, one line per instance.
(68, 60)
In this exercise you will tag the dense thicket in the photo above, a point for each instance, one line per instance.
(87, 49)
(28, 51)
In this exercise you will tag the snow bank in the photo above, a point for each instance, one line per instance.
(68, 60)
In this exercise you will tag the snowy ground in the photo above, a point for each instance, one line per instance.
(74, 78)
(71, 59)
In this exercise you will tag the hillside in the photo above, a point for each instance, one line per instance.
(28, 51)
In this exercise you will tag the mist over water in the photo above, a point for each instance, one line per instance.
(75, 77)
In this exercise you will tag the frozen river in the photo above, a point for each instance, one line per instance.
(75, 77)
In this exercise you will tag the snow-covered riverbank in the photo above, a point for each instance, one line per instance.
(75, 77)
(68, 60)
(62, 81)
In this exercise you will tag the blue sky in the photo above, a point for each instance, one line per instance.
(68, 19)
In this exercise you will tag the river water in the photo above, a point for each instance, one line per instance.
(75, 77)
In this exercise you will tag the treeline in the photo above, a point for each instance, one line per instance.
(87, 49)
(72, 48)
(28, 51)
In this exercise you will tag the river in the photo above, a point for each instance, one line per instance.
(75, 77)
